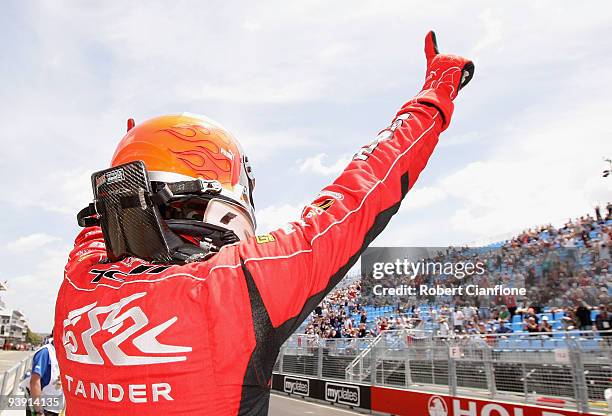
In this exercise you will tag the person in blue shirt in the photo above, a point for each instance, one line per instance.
(43, 381)
(503, 329)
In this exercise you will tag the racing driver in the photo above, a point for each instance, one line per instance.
(172, 305)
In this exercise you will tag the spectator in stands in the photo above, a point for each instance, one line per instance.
(384, 325)
(603, 322)
(348, 325)
(531, 315)
(469, 327)
(458, 321)
(503, 329)
(531, 325)
(504, 313)
(603, 249)
(481, 328)
(567, 324)
(362, 331)
(444, 329)
(583, 314)
(470, 312)
(419, 324)
(545, 326)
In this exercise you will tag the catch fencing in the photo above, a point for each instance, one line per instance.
(566, 370)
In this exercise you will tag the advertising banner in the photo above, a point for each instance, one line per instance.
(412, 403)
(354, 395)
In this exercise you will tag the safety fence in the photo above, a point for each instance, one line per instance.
(565, 371)
(10, 379)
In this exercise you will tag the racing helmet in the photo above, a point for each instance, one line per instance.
(173, 178)
(187, 146)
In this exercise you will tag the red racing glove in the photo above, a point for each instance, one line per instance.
(445, 72)
(446, 75)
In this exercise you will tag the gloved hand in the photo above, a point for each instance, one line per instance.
(445, 73)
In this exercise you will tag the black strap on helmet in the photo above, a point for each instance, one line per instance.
(88, 217)
(215, 235)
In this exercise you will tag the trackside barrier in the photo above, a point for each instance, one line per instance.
(10, 379)
(404, 402)
(414, 403)
(348, 394)
(570, 373)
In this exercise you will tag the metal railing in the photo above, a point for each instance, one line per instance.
(10, 379)
(311, 356)
(565, 369)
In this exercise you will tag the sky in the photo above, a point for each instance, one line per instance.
(302, 85)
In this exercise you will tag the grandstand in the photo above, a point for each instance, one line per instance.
(565, 269)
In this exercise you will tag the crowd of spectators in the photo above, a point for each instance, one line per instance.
(334, 317)
(565, 270)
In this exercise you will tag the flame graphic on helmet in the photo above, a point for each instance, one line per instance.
(205, 158)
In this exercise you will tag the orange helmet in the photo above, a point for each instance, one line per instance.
(185, 147)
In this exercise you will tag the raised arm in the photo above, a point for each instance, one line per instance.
(293, 268)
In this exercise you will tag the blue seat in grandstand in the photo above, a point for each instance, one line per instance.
(504, 344)
(594, 315)
(517, 326)
(549, 344)
(524, 344)
(516, 318)
(559, 315)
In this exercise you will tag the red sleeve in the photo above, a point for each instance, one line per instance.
(294, 267)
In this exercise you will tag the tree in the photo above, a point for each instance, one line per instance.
(33, 338)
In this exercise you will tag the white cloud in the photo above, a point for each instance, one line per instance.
(64, 191)
(538, 173)
(274, 216)
(422, 197)
(316, 165)
(261, 146)
(261, 90)
(461, 139)
(251, 25)
(30, 243)
(493, 27)
(34, 290)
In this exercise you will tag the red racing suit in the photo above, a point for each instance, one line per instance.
(202, 338)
